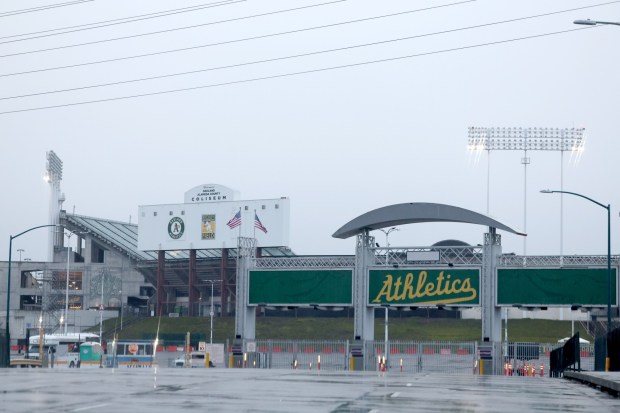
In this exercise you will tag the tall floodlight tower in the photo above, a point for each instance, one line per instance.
(53, 177)
(528, 139)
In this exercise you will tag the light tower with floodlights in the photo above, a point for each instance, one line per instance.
(528, 139)
(53, 176)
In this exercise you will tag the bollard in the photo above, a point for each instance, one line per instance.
(207, 360)
(245, 360)
(542, 370)
(318, 364)
(295, 365)
(310, 365)
(510, 369)
(401, 365)
(231, 363)
(475, 366)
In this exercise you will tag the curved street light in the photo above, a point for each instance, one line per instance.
(608, 208)
(589, 22)
(7, 337)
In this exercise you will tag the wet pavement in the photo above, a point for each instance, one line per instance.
(257, 390)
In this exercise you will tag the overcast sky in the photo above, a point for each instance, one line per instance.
(337, 142)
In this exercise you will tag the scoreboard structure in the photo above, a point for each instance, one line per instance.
(212, 218)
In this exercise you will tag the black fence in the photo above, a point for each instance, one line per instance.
(613, 349)
(600, 353)
(566, 357)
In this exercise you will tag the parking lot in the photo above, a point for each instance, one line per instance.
(262, 390)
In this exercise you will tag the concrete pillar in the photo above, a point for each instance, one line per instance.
(491, 314)
(191, 284)
(161, 293)
(364, 316)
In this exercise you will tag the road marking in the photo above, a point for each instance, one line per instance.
(395, 394)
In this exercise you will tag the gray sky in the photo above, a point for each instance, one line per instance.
(337, 142)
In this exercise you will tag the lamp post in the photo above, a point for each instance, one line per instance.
(211, 312)
(608, 208)
(7, 336)
(589, 22)
(387, 242)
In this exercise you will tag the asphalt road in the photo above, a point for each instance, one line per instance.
(257, 390)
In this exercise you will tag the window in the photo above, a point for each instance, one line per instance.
(155, 213)
(277, 206)
(263, 207)
(170, 213)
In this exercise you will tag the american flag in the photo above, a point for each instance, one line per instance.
(258, 224)
(235, 221)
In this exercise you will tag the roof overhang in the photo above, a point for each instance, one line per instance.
(414, 213)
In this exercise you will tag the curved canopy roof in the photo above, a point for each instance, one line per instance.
(413, 213)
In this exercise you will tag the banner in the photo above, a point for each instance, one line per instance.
(419, 287)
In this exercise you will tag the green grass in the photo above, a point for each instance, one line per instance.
(311, 328)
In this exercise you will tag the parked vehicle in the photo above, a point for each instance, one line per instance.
(196, 359)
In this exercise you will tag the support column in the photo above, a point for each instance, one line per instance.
(245, 316)
(364, 316)
(192, 291)
(491, 314)
(224, 283)
(161, 293)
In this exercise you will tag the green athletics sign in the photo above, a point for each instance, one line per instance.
(418, 287)
(294, 287)
(554, 286)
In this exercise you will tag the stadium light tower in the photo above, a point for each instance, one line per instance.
(53, 176)
(528, 139)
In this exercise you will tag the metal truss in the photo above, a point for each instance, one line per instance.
(467, 255)
(508, 260)
(329, 261)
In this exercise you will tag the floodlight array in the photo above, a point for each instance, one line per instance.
(54, 166)
(522, 139)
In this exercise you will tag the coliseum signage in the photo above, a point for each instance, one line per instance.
(209, 193)
(420, 287)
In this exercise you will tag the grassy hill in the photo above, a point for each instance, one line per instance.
(410, 328)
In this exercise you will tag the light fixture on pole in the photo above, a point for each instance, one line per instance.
(7, 336)
(589, 22)
(211, 312)
(527, 139)
(387, 306)
(387, 242)
(608, 208)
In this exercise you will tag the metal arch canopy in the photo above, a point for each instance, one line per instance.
(413, 213)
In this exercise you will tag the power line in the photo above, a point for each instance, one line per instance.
(41, 8)
(325, 69)
(175, 29)
(233, 41)
(272, 59)
(123, 20)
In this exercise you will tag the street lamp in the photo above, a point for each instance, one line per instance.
(7, 336)
(589, 22)
(387, 242)
(211, 313)
(608, 208)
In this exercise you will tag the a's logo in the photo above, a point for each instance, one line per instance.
(176, 227)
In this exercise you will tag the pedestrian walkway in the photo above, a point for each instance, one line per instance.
(606, 381)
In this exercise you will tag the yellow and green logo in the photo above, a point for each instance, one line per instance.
(424, 286)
